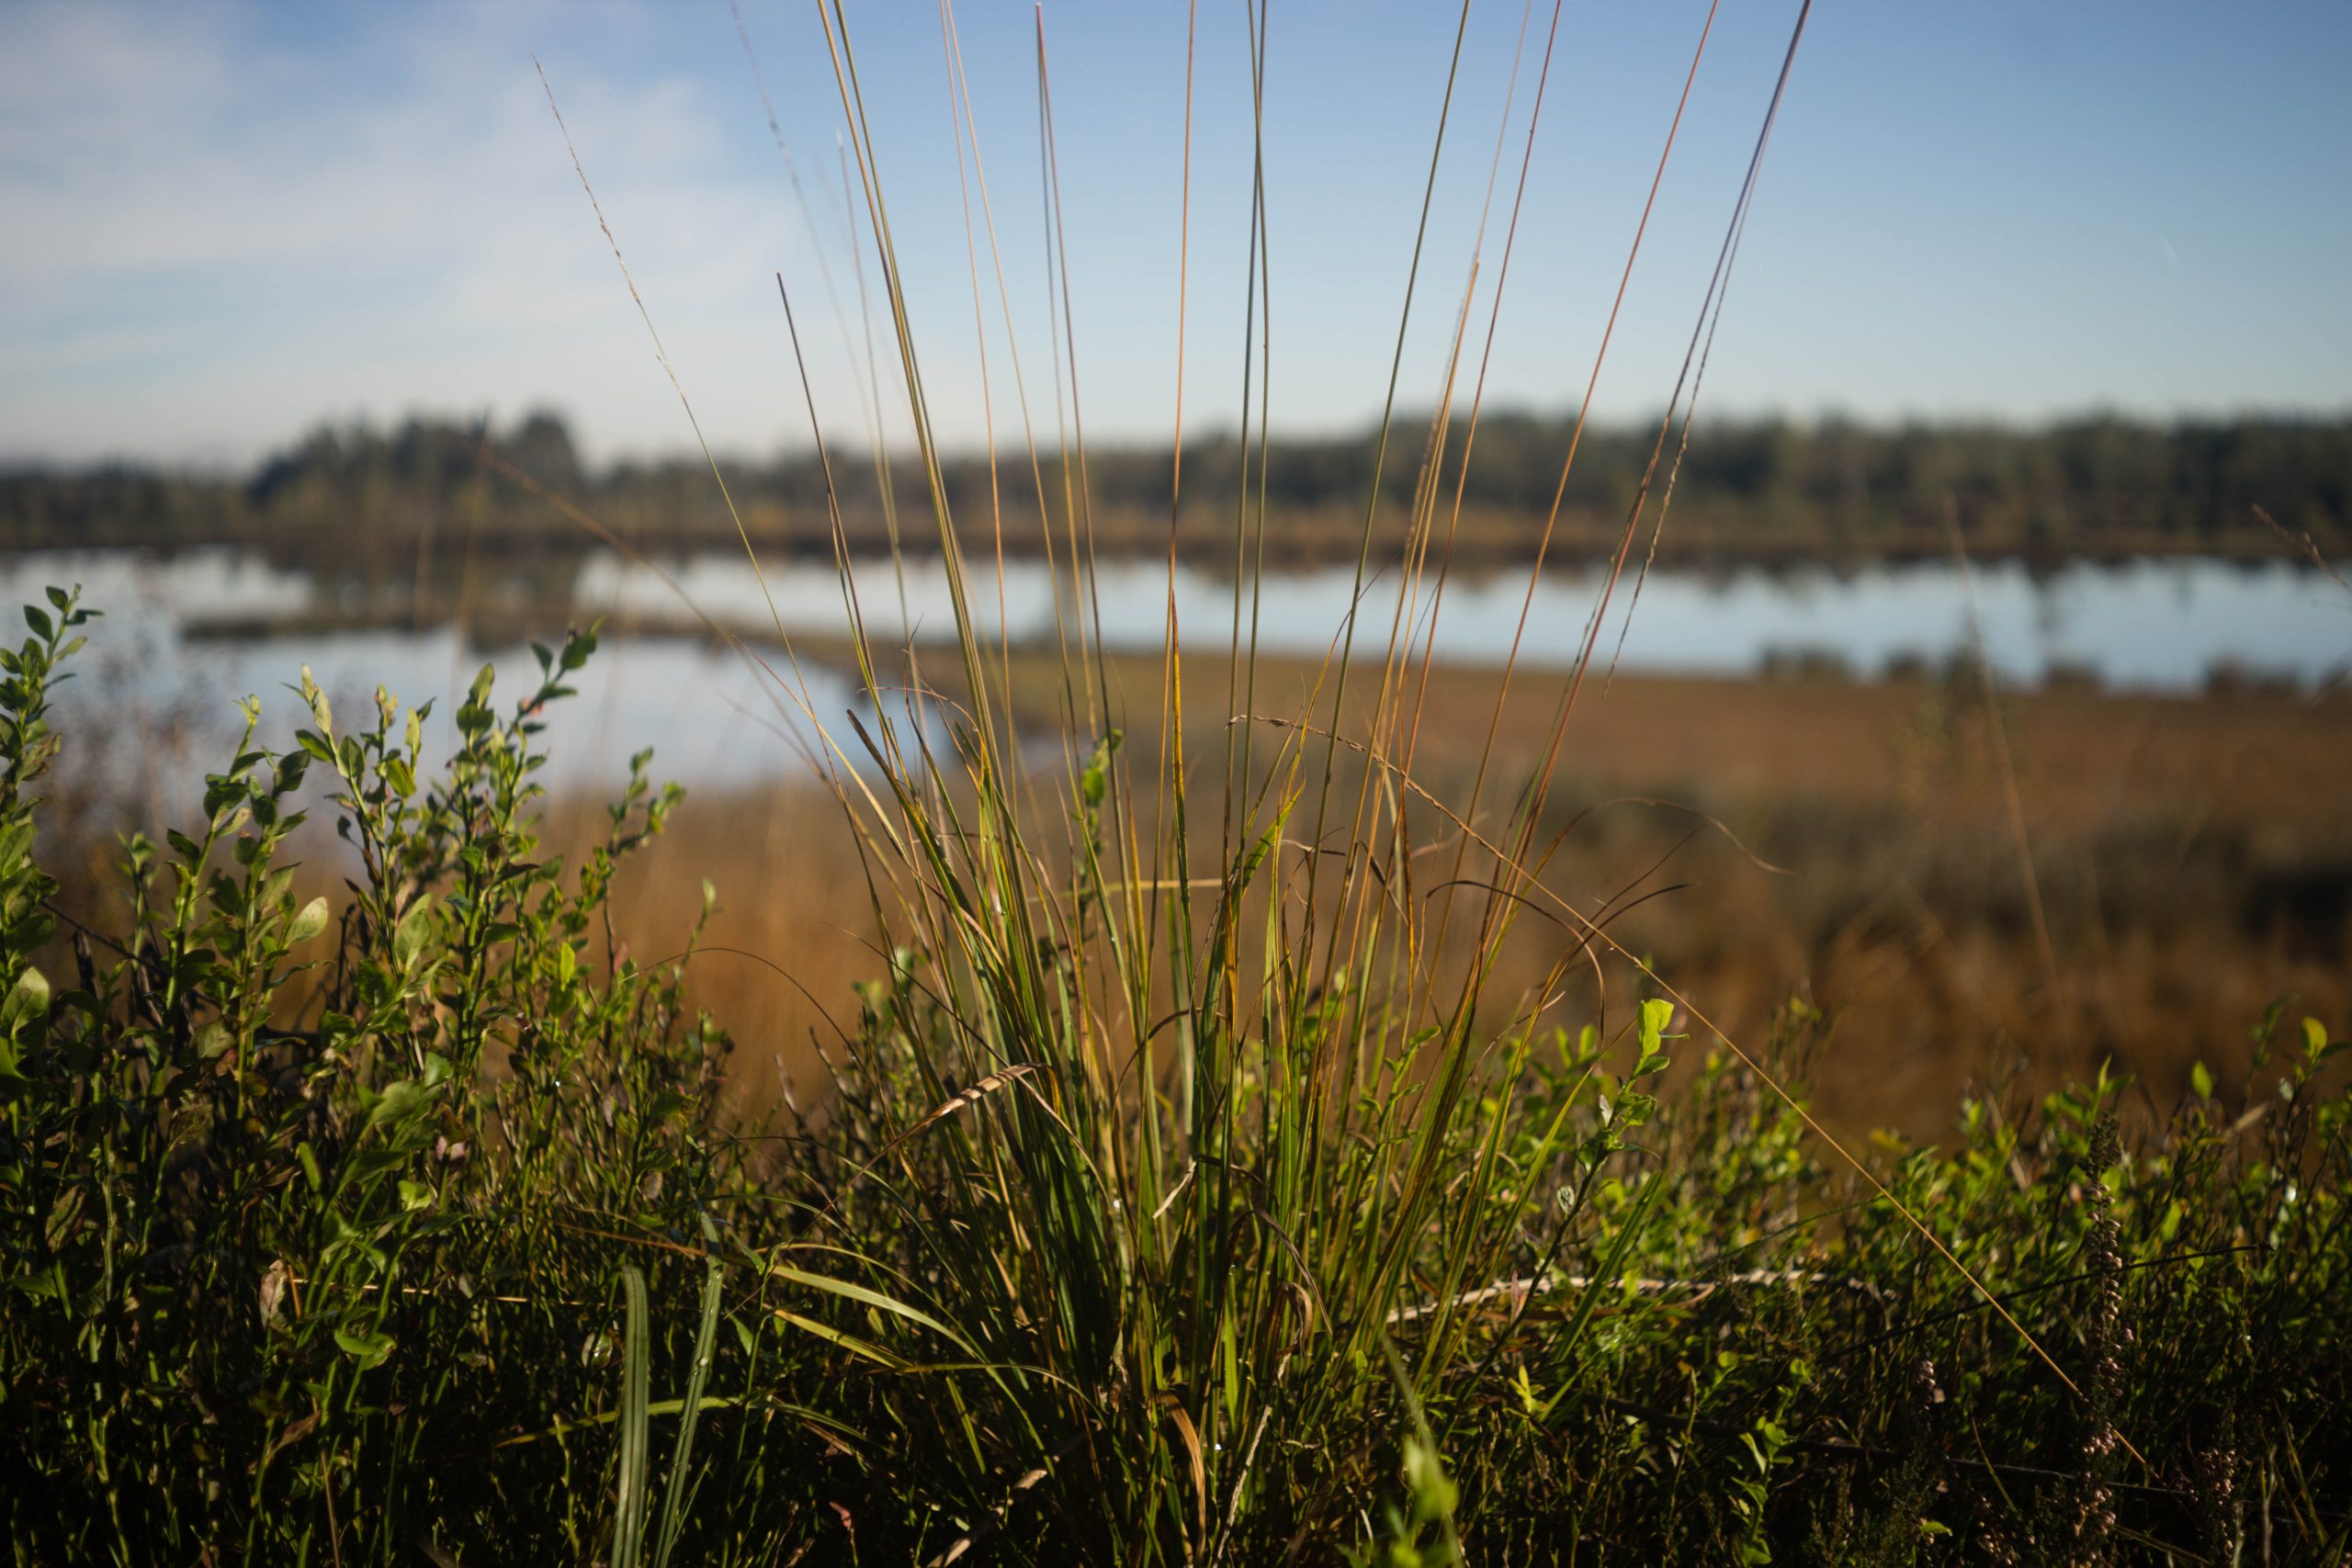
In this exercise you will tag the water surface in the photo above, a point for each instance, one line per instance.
(2164, 626)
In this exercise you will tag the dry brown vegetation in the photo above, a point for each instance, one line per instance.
(2192, 858)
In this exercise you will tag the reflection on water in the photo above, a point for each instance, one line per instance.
(2146, 626)
(711, 718)
(2156, 626)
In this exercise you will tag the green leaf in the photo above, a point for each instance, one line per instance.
(2201, 1081)
(308, 922)
(28, 1000)
(1095, 781)
(400, 1102)
(47, 1283)
(1656, 1013)
(369, 1349)
(64, 1219)
(410, 936)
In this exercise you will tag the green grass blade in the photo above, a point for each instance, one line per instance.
(628, 1521)
(673, 1513)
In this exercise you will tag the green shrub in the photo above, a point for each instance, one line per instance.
(312, 1203)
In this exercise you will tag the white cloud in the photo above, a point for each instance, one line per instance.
(209, 243)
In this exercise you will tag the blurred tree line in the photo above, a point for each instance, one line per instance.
(1763, 491)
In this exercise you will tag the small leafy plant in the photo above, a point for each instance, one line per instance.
(290, 1185)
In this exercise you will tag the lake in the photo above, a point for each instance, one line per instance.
(159, 665)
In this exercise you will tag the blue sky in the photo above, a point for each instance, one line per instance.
(227, 222)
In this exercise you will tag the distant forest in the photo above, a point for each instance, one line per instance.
(1766, 492)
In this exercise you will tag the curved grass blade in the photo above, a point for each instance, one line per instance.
(629, 1510)
(673, 1516)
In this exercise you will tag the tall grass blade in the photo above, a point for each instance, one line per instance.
(629, 1509)
(682, 1480)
